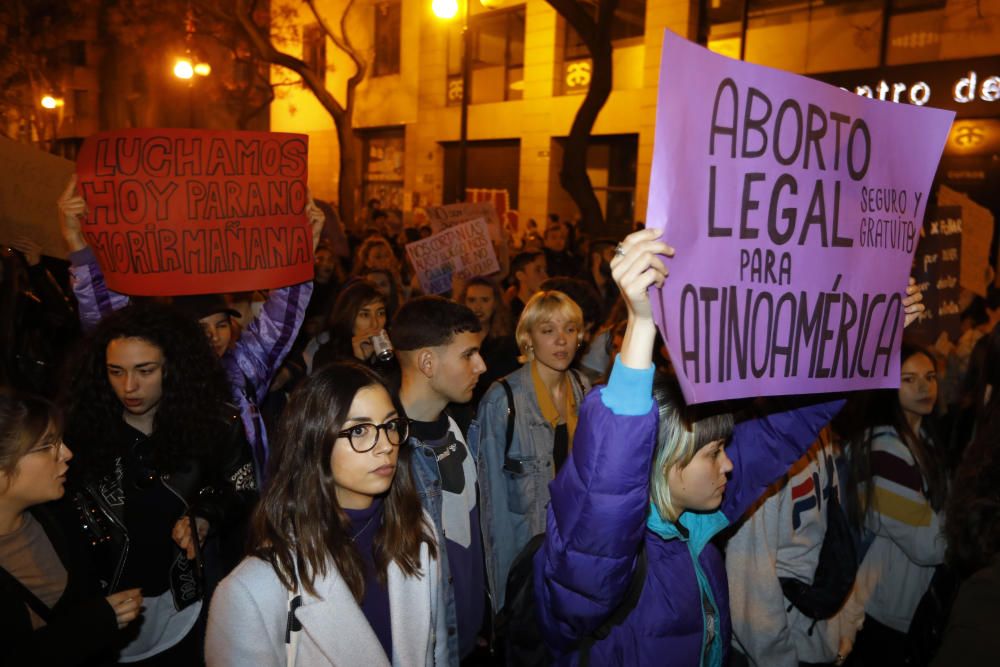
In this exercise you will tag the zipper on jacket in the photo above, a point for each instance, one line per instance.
(107, 512)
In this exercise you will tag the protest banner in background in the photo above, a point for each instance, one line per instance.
(977, 239)
(174, 212)
(936, 270)
(464, 250)
(795, 209)
(443, 217)
(30, 184)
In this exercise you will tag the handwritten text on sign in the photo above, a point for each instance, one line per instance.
(189, 211)
(443, 217)
(464, 250)
(936, 270)
(795, 209)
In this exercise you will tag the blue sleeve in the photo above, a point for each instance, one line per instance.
(629, 390)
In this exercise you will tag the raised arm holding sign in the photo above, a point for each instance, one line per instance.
(250, 362)
(192, 212)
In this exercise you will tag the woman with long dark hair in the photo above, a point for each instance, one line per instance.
(161, 460)
(499, 349)
(51, 611)
(897, 490)
(358, 314)
(343, 567)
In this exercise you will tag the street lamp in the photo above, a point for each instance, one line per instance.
(186, 69)
(183, 69)
(447, 10)
(50, 102)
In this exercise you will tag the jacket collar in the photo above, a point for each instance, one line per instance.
(695, 528)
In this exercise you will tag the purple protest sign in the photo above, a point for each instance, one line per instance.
(795, 209)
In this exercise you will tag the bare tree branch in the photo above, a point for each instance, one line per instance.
(268, 51)
(342, 41)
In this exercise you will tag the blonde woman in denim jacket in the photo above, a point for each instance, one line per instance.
(547, 394)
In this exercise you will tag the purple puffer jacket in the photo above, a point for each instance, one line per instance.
(598, 513)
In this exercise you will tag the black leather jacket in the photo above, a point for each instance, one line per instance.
(223, 496)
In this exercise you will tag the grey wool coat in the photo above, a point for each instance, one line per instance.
(247, 621)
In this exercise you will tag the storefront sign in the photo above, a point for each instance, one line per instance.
(971, 87)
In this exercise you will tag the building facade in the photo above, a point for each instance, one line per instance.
(529, 71)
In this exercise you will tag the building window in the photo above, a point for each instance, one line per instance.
(612, 166)
(382, 166)
(81, 104)
(816, 36)
(490, 165)
(314, 49)
(496, 41)
(629, 23)
(77, 52)
(388, 17)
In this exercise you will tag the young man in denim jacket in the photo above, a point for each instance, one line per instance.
(437, 343)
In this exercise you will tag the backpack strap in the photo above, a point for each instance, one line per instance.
(622, 611)
(509, 464)
(26, 595)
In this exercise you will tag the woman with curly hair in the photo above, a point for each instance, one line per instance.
(161, 457)
(343, 567)
(375, 252)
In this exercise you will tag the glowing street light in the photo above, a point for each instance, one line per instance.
(445, 9)
(183, 69)
(202, 69)
(50, 102)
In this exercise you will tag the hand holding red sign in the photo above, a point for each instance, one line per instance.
(73, 209)
(192, 212)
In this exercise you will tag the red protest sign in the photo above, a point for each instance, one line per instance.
(175, 212)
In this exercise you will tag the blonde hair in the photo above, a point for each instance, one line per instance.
(543, 306)
(680, 435)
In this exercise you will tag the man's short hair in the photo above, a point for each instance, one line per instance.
(521, 260)
(430, 321)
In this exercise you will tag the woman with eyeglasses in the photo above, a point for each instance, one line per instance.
(344, 564)
(163, 475)
(51, 611)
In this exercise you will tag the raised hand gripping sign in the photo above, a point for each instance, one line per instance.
(795, 209)
(173, 212)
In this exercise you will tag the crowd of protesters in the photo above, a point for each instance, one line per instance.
(348, 472)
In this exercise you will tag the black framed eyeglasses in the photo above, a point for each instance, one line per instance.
(53, 449)
(364, 437)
